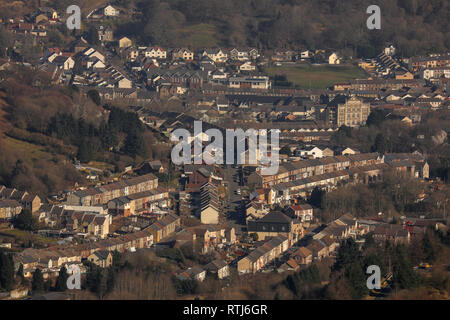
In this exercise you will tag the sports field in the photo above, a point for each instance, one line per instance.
(316, 76)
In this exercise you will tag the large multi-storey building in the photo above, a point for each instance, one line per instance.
(349, 111)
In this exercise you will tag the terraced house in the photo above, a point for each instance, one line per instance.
(263, 255)
(9, 209)
(108, 192)
(164, 227)
(86, 222)
(292, 171)
(25, 199)
(276, 223)
(140, 203)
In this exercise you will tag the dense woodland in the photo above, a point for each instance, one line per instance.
(414, 26)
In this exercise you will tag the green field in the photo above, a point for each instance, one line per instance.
(199, 36)
(33, 151)
(316, 77)
(25, 237)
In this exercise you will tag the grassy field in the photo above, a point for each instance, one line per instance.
(316, 77)
(101, 165)
(200, 36)
(24, 236)
(33, 151)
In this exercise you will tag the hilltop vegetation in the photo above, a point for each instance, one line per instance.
(45, 127)
(416, 27)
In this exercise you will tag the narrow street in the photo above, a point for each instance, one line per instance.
(233, 210)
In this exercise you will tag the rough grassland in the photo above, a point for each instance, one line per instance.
(33, 151)
(200, 36)
(24, 236)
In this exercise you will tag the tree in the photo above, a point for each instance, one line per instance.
(348, 252)
(301, 282)
(317, 197)
(6, 271)
(403, 274)
(47, 285)
(94, 96)
(380, 144)
(92, 36)
(84, 152)
(116, 261)
(5, 41)
(25, 220)
(349, 264)
(37, 283)
(20, 273)
(110, 279)
(285, 150)
(134, 145)
(428, 249)
(61, 281)
(376, 117)
(254, 236)
(356, 279)
(185, 286)
(96, 280)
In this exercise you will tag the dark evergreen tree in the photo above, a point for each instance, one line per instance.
(376, 117)
(25, 220)
(94, 96)
(37, 283)
(20, 271)
(6, 271)
(61, 281)
(403, 274)
(317, 197)
(380, 144)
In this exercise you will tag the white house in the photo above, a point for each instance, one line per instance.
(124, 83)
(52, 57)
(435, 73)
(305, 54)
(244, 54)
(183, 54)
(209, 214)
(69, 63)
(256, 82)
(389, 51)
(310, 151)
(98, 64)
(218, 267)
(65, 63)
(155, 52)
(91, 53)
(334, 59)
(247, 66)
(216, 55)
(218, 74)
(110, 11)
